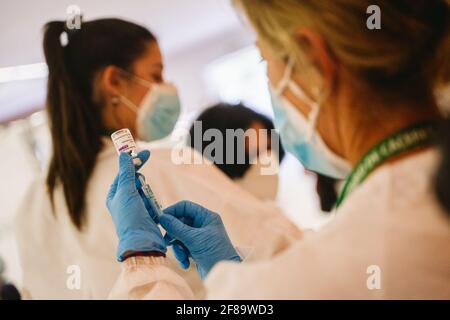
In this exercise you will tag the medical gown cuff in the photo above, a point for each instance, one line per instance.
(140, 241)
(134, 262)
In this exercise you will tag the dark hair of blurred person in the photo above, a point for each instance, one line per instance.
(223, 116)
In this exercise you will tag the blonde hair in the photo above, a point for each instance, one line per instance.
(412, 48)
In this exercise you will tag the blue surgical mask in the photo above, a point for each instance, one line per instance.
(158, 111)
(298, 133)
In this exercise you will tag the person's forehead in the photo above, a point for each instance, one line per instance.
(152, 57)
(257, 125)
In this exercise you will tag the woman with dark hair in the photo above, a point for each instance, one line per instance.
(85, 76)
(106, 76)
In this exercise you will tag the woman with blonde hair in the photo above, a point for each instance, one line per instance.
(349, 102)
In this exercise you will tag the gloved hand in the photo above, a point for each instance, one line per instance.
(135, 228)
(201, 232)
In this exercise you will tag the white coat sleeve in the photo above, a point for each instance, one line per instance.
(149, 278)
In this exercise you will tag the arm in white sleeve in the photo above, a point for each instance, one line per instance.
(149, 278)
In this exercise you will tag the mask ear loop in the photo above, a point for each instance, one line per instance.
(127, 102)
(115, 101)
(130, 104)
(137, 79)
(142, 82)
(284, 82)
(315, 107)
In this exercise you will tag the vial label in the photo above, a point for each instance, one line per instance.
(124, 142)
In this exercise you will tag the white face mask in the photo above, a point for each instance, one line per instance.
(263, 186)
(298, 133)
(158, 111)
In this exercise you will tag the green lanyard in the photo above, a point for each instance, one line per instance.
(404, 140)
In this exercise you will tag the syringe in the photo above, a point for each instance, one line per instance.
(124, 142)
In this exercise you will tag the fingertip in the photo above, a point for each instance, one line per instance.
(185, 264)
(170, 210)
(165, 219)
(142, 158)
(167, 241)
(189, 205)
(181, 255)
(144, 155)
(173, 226)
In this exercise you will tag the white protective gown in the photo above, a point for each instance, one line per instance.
(59, 262)
(389, 241)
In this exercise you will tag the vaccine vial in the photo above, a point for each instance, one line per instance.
(124, 142)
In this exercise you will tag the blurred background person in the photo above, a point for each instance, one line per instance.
(248, 174)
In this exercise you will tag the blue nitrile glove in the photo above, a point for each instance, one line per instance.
(201, 232)
(136, 229)
(179, 250)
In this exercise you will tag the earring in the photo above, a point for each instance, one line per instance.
(115, 101)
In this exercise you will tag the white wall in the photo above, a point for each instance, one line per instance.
(178, 24)
(186, 67)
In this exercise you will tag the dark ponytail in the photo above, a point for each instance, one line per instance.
(74, 118)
